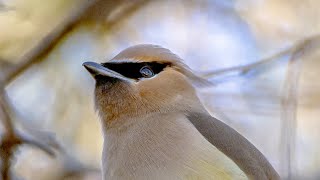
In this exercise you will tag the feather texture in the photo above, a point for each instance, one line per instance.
(164, 146)
(235, 146)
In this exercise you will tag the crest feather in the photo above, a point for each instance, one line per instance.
(155, 53)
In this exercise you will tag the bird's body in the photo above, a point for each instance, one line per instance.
(141, 151)
(155, 126)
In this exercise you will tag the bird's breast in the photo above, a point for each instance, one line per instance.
(163, 146)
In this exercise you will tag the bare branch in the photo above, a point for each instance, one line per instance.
(47, 43)
(4, 7)
(127, 9)
(266, 63)
(74, 168)
(9, 140)
(45, 146)
(289, 111)
(12, 138)
(289, 94)
(7, 123)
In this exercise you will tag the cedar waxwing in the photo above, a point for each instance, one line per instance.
(155, 127)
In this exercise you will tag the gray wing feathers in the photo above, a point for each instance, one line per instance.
(235, 146)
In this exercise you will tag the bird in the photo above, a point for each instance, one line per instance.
(154, 125)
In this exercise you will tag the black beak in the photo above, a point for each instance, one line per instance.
(97, 69)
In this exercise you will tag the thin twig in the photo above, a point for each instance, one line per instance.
(9, 140)
(289, 111)
(263, 63)
(7, 123)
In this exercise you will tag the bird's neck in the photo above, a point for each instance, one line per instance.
(157, 141)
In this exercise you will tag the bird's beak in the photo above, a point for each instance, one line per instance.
(97, 69)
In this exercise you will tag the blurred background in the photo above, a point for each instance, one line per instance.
(262, 56)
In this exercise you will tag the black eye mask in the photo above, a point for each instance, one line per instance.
(137, 70)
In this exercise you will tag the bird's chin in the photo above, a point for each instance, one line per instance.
(106, 81)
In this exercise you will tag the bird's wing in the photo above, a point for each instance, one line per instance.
(234, 145)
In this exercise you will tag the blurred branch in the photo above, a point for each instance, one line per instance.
(3, 7)
(48, 42)
(289, 111)
(124, 11)
(5, 66)
(289, 94)
(5, 114)
(12, 138)
(266, 63)
(44, 141)
(9, 140)
(73, 168)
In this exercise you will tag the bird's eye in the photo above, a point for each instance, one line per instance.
(146, 72)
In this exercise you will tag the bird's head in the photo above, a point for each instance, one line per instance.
(142, 80)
